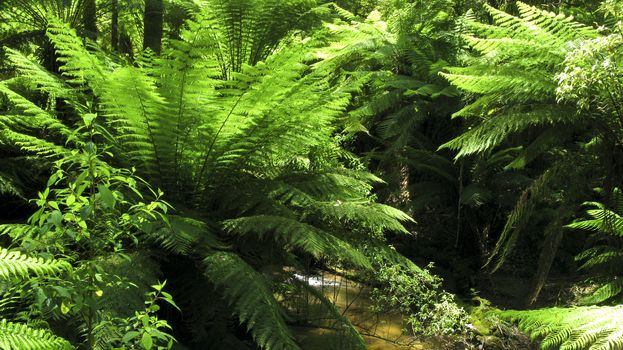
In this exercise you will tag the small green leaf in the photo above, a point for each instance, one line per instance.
(129, 336)
(71, 199)
(146, 341)
(64, 308)
(98, 277)
(56, 218)
(88, 118)
(106, 196)
(63, 292)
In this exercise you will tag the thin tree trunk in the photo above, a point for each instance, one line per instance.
(152, 21)
(114, 29)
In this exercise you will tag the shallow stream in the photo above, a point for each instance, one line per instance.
(381, 330)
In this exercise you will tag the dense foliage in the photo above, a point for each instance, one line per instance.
(169, 169)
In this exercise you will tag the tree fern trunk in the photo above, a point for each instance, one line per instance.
(89, 19)
(152, 21)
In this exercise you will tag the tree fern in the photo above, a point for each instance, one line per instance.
(518, 60)
(403, 104)
(512, 81)
(249, 158)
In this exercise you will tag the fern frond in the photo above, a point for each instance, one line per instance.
(32, 144)
(600, 256)
(518, 60)
(32, 118)
(493, 130)
(563, 28)
(371, 216)
(185, 235)
(78, 64)
(15, 336)
(17, 231)
(518, 217)
(342, 324)
(253, 29)
(249, 295)
(15, 264)
(105, 335)
(604, 220)
(275, 113)
(300, 235)
(38, 77)
(132, 106)
(576, 328)
(9, 187)
(504, 82)
(605, 292)
(603, 258)
(349, 205)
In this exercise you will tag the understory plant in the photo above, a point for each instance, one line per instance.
(94, 216)
(417, 295)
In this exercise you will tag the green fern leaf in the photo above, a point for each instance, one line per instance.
(303, 236)
(251, 299)
(15, 336)
(14, 264)
(574, 328)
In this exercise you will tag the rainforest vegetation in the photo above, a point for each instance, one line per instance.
(200, 174)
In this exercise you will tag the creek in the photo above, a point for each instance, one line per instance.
(381, 330)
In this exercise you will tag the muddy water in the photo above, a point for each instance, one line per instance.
(381, 330)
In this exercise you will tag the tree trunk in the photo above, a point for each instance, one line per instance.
(114, 27)
(89, 19)
(152, 20)
(125, 45)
